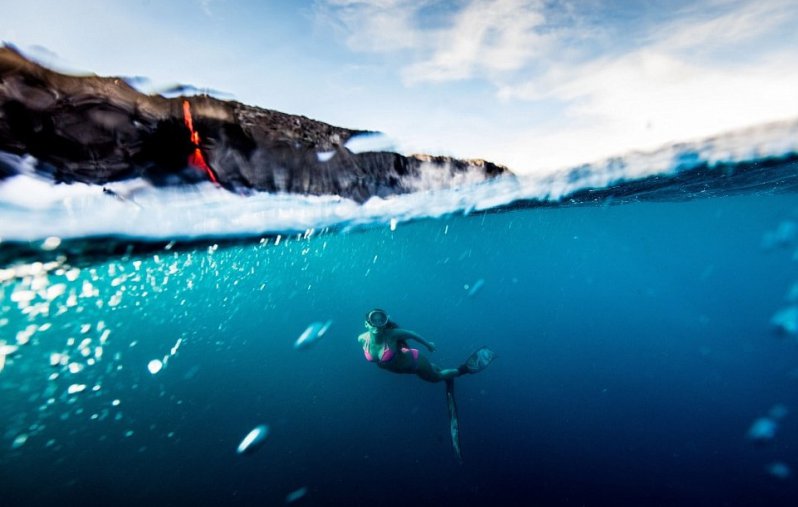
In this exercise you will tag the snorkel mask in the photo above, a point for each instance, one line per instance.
(377, 318)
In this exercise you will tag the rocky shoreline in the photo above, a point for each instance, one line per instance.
(100, 129)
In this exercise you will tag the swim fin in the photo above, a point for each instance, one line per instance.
(478, 361)
(454, 422)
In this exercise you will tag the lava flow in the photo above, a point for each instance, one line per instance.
(196, 158)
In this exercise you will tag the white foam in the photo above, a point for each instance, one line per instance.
(35, 209)
(369, 142)
(325, 156)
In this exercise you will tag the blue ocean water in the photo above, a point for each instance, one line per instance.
(634, 339)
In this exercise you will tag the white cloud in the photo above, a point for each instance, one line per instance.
(205, 5)
(701, 70)
(485, 37)
(616, 108)
(673, 88)
(375, 25)
(742, 21)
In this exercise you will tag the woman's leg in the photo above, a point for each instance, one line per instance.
(433, 373)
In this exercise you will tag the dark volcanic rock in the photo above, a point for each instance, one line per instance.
(96, 130)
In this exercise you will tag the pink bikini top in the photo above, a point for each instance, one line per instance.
(386, 355)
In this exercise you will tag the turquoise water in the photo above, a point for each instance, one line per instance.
(634, 341)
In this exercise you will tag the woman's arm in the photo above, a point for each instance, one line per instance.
(404, 334)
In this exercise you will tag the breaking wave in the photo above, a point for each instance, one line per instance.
(33, 208)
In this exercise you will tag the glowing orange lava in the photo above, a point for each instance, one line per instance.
(196, 158)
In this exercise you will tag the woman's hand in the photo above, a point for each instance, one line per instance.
(431, 346)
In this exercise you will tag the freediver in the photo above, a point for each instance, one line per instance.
(386, 344)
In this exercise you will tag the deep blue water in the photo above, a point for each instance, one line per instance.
(634, 343)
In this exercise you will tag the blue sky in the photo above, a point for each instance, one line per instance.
(535, 85)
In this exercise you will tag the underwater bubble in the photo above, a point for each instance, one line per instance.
(476, 287)
(253, 440)
(51, 243)
(313, 333)
(5, 351)
(778, 411)
(6, 274)
(155, 366)
(88, 290)
(19, 441)
(115, 299)
(786, 231)
(23, 297)
(54, 291)
(58, 359)
(296, 495)
(176, 346)
(763, 430)
(779, 470)
(786, 320)
(76, 388)
(784, 235)
(191, 373)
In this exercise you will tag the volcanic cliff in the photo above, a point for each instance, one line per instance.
(100, 129)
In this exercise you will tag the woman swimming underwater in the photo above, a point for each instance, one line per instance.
(386, 344)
